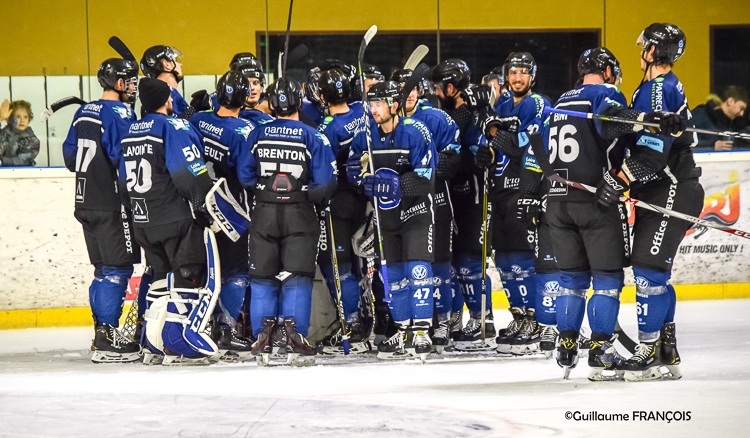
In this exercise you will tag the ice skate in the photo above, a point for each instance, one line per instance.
(418, 342)
(605, 362)
(393, 348)
(332, 345)
(471, 338)
(670, 358)
(180, 360)
(455, 324)
(567, 352)
(548, 340)
(584, 345)
(263, 346)
(299, 352)
(528, 338)
(645, 363)
(441, 337)
(232, 347)
(110, 346)
(505, 335)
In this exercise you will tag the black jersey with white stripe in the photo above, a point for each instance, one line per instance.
(577, 151)
(92, 151)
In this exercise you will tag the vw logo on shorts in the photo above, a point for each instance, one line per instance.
(419, 272)
(282, 98)
(641, 282)
(230, 90)
(551, 287)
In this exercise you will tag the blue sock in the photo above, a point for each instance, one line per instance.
(672, 303)
(470, 280)
(296, 301)
(349, 286)
(400, 304)
(604, 306)
(421, 289)
(517, 272)
(457, 298)
(146, 279)
(232, 295)
(442, 273)
(107, 294)
(264, 302)
(547, 291)
(571, 304)
(652, 301)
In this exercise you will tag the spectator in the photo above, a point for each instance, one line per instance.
(18, 144)
(719, 117)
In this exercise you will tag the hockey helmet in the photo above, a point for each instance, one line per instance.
(596, 61)
(284, 96)
(334, 86)
(113, 69)
(151, 63)
(452, 71)
(668, 39)
(232, 89)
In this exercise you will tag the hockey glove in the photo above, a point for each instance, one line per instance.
(527, 209)
(478, 97)
(385, 184)
(610, 189)
(489, 123)
(669, 123)
(201, 101)
(485, 157)
(356, 168)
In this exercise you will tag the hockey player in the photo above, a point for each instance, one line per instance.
(92, 151)
(513, 240)
(445, 135)
(224, 135)
(496, 80)
(403, 187)
(451, 83)
(256, 105)
(165, 63)
(290, 167)
(167, 181)
(347, 205)
(660, 169)
(579, 225)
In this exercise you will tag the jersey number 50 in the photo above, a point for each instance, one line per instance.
(139, 175)
(567, 147)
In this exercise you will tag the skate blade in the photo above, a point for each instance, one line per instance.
(670, 372)
(184, 361)
(605, 375)
(423, 357)
(478, 345)
(296, 360)
(100, 356)
(566, 373)
(398, 355)
(524, 349)
(548, 354)
(504, 348)
(232, 356)
(650, 374)
(262, 359)
(150, 358)
(355, 348)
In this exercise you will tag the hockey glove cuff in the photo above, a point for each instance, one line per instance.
(527, 209)
(610, 189)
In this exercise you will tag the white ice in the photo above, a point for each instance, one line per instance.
(48, 387)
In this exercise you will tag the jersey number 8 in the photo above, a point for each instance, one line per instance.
(567, 147)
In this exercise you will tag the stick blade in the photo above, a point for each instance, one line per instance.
(419, 74)
(121, 49)
(416, 57)
(365, 41)
(297, 54)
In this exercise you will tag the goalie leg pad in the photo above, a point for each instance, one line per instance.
(229, 217)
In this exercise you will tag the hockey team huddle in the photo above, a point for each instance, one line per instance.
(236, 198)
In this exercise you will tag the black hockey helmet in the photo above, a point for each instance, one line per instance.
(386, 90)
(334, 86)
(113, 69)
(232, 89)
(401, 75)
(520, 59)
(371, 71)
(596, 61)
(249, 65)
(284, 96)
(349, 71)
(668, 39)
(151, 61)
(452, 71)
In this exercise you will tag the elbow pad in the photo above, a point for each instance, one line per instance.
(612, 130)
(447, 166)
(507, 143)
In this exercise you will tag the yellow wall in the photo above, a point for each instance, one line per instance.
(52, 35)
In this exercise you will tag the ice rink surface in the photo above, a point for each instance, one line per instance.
(49, 387)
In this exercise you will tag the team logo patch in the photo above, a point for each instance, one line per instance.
(516, 269)
(178, 124)
(124, 113)
(551, 287)
(81, 190)
(641, 282)
(339, 84)
(243, 131)
(229, 88)
(419, 272)
(282, 98)
(197, 168)
(140, 210)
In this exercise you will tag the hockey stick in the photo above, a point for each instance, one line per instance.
(286, 39)
(485, 226)
(416, 57)
(62, 103)
(369, 35)
(121, 49)
(337, 279)
(416, 77)
(655, 208)
(624, 339)
(740, 135)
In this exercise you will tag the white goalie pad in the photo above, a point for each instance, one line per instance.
(229, 216)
